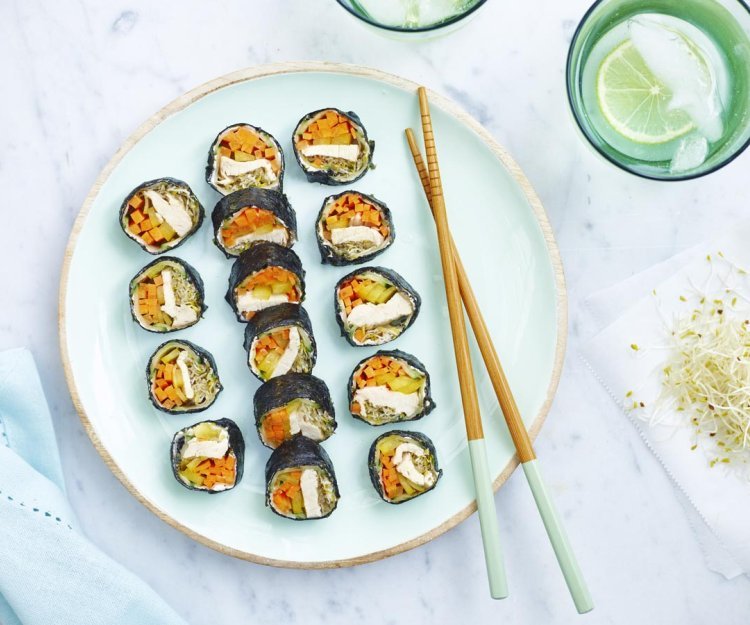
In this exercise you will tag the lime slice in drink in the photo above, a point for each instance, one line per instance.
(634, 101)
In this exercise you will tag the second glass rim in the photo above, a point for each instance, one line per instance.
(420, 29)
(642, 174)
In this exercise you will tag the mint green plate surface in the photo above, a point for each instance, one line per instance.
(506, 245)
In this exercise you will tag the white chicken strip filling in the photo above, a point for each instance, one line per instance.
(357, 234)
(371, 315)
(171, 210)
(182, 315)
(290, 353)
(299, 423)
(229, 168)
(198, 448)
(310, 495)
(186, 383)
(344, 152)
(381, 396)
(403, 460)
(247, 302)
(277, 235)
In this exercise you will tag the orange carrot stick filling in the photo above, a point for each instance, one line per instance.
(284, 495)
(242, 144)
(275, 428)
(277, 279)
(377, 371)
(144, 228)
(247, 221)
(328, 128)
(353, 209)
(212, 471)
(275, 341)
(166, 389)
(389, 477)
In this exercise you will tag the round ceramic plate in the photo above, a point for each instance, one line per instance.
(505, 242)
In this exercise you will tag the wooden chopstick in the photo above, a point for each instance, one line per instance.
(480, 467)
(516, 427)
(524, 448)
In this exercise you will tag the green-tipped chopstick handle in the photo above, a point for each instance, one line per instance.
(493, 551)
(559, 539)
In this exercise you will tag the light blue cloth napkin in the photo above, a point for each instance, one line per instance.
(50, 574)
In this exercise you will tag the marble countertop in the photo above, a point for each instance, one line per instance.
(79, 77)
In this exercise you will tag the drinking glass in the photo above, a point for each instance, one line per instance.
(726, 23)
(413, 19)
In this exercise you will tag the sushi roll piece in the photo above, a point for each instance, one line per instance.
(264, 276)
(300, 482)
(182, 377)
(374, 305)
(403, 465)
(280, 340)
(389, 387)
(246, 217)
(167, 295)
(332, 147)
(244, 156)
(209, 456)
(160, 214)
(352, 228)
(295, 403)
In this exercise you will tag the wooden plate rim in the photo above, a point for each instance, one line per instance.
(338, 68)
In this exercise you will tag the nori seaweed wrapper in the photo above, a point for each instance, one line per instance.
(325, 177)
(258, 257)
(328, 254)
(192, 275)
(296, 452)
(278, 316)
(203, 355)
(236, 444)
(171, 182)
(281, 390)
(423, 441)
(268, 199)
(265, 135)
(392, 277)
(428, 404)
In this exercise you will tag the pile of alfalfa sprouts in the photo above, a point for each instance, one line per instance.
(706, 376)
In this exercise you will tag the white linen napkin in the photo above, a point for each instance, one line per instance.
(716, 499)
